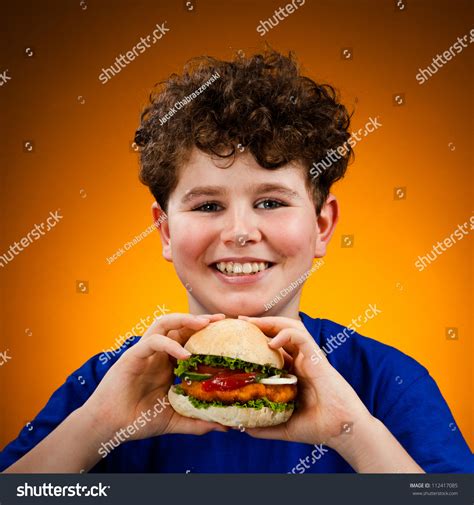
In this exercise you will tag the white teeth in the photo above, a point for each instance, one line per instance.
(247, 268)
(241, 268)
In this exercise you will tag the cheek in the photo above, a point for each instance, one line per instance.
(293, 234)
(189, 240)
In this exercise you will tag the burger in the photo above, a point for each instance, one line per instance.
(233, 378)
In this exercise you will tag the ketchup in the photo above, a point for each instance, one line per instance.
(226, 381)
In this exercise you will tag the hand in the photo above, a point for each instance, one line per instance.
(134, 390)
(327, 404)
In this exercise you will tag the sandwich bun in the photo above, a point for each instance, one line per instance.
(232, 338)
(235, 338)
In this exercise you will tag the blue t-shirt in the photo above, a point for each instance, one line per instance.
(394, 387)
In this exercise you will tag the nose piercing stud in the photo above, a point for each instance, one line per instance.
(240, 240)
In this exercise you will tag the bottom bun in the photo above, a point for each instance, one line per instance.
(241, 417)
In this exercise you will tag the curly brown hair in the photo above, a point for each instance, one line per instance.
(261, 104)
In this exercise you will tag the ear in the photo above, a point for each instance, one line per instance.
(161, 222)
(327, 220)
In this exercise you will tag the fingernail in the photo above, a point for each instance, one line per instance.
(202, 318)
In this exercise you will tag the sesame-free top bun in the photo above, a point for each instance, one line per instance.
(235, 338)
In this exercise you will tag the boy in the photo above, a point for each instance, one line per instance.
(227, 149)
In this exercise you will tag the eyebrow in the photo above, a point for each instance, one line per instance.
(220, 190)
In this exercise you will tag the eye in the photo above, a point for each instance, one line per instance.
(272, 204)
(207, 207)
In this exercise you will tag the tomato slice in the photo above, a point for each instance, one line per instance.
(226, 381)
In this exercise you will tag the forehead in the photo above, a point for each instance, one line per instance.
(243, 173)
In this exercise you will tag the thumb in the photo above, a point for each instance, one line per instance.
(272, 433)
(188, 426)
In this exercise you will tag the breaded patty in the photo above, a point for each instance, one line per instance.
(283, 394)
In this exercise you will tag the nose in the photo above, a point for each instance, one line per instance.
(240, 227)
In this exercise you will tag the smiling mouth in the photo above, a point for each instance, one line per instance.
(234, 269)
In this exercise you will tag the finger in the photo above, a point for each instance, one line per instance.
(219, 315)
(158, 343)
(295, 341)
(176, 321)
(190, 426)
(272, 325)
(183, 334)
(273, 433)
(165, 324)
(188, 324)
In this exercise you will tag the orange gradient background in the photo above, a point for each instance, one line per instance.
(83, 164)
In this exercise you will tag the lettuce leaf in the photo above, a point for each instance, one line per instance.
(222, 361)
(179, 390)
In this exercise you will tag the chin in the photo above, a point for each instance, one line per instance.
(240, 308)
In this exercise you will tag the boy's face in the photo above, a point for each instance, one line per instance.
(247, 213)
